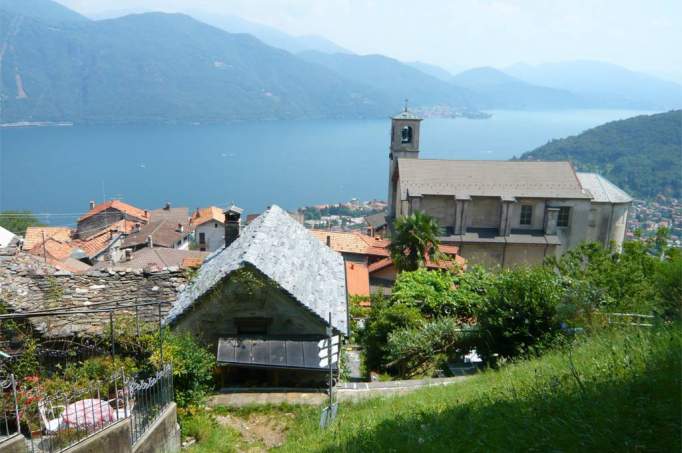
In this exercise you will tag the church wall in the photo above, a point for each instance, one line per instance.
(526, 254)
(485, 254)
(484, 212)
(442, 208)
(537, 218)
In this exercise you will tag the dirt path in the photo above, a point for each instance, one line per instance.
(260, 432)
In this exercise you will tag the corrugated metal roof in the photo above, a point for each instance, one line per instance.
(603, 190)
(287, 253)
(490, 178)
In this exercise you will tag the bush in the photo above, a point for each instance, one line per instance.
(519, 315)
(431, 292)
(383, 320)
(418, 350)
(668, 280)
(193, 367)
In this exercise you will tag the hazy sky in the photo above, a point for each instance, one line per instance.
(642, 35)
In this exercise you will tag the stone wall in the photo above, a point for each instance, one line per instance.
(28, 284)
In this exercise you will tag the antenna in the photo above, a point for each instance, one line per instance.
(406, 101)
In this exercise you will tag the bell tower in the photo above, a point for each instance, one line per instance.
(404, 145)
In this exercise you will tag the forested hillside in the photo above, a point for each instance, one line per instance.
(643, 155)
(162, 67)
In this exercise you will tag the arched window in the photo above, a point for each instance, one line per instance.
(406, 134)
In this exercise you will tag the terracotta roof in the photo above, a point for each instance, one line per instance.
(191, 262)
(345, 242)
(53, 249)
(449, 250)
(118, 205)
(204, 215)
(357, 279)
(34, 235)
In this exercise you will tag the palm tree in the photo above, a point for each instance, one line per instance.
(415, 238)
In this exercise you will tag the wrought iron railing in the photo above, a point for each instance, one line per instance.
(60, 420)
(149, 398)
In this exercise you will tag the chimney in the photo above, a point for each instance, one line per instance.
(181, 229)
(167, 207)
(150, 242)
(232, 221)
(128, 254)
(136, 228)
(92, 205)
(329, 241)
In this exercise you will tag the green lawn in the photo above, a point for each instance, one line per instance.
(619, 391)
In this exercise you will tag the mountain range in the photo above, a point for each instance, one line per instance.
(57, 65)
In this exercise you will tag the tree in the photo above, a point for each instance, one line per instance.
(18, 221)
(416, 237)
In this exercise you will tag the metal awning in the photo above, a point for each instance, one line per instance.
(301, 353)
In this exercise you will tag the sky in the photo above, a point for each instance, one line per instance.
(642, 35)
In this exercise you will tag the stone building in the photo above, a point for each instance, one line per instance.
(105, 214)
(502, 213)
(263, 302)
(209, 228)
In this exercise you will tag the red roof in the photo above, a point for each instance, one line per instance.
(118, 205)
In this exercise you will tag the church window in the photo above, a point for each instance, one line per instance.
(406, 134)
(526, 214)
(564, 216)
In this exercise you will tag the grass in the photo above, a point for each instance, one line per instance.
(617, 391)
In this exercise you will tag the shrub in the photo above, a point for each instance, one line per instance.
(193, 367)
(418, 350)
(431, 292)
(668, 280)
(383, 320)
(519, 315)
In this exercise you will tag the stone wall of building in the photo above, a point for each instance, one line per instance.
(28, 284)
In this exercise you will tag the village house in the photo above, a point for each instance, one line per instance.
(377, 226)
(166, 227)
(8, 239)
(209, 228)
(105, 214)
(502, 213)
(264, 301)
(369, 267)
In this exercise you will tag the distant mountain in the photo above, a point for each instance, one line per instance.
(393, 79)
(269, 35)
(604, 84)
(643, 155)
(43, 10)
(495, 89)
(432, 70)
(162, 67)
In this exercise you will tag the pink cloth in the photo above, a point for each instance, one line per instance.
(88, 412)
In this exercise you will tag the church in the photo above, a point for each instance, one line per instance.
(502, 213)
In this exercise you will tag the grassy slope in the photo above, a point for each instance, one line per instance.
(615, 392)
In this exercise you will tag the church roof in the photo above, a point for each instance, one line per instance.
(489, 178)
(603, 190)
(284, 251)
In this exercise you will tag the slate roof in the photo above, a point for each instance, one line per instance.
(377, 220)
(158, 257)
(162, 227)
(289, 255)
(490, 178)
(603, 190)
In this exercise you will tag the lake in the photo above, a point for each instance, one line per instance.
(57, 170)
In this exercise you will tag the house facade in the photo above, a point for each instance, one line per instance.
(209, 228)
(263, 303)
(503, 213)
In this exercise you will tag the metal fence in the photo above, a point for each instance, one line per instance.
(149, 398)
(56, 422)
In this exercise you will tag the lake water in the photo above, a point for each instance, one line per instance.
(57, 170)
